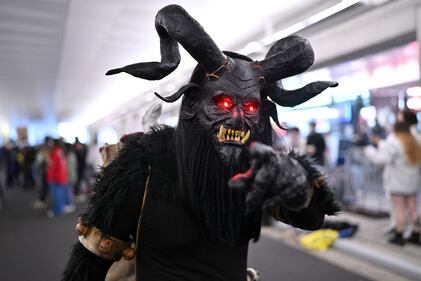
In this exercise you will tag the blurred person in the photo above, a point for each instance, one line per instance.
(57, 179)
(316, 145)
(81, 151)
(361, 137)
(70, 156)
(400, 154)
(10, 163)
(41, 160)
(93, 159)
(294, 141)
(29, 155)
(378, 130)
(19, 166)
(410, 118)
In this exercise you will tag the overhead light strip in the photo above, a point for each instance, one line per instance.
(344, 4)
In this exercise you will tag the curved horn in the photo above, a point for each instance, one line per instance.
(288, 56)
(174, 25)
(295, 97)
(174, 97)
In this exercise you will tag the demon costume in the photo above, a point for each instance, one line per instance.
(207, 181)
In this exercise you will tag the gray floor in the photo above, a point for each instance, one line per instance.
(35, 248)
(278, 262)
(32, 246)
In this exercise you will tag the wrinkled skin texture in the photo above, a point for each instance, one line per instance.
(241, 89)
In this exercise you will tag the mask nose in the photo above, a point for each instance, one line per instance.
(237, 117)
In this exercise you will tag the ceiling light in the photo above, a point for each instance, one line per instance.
(414, 91)
(344, 4)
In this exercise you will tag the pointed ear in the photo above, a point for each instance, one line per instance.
(189, 104)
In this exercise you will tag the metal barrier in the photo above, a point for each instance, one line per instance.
(358, 183)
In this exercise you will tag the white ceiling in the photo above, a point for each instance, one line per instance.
(54, 53)
(31, 35)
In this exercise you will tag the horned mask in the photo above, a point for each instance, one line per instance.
(229, 95)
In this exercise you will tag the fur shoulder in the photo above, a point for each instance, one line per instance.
(159, 146)
(142, 155)
(114, 183)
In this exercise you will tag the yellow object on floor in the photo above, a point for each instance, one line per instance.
(319, 240)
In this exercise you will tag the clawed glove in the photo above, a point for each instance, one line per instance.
(273, 178)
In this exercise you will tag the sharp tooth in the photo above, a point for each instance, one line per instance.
(246, 137)
(242, 134)
(219, 134)
(224, 131)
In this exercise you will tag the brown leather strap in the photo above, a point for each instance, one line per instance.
(109, 248)
(145, 194)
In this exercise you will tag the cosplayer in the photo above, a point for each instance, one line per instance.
(191, 197)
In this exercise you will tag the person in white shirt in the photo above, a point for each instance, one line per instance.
(400, 154)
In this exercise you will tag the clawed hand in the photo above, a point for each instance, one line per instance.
(273, 178)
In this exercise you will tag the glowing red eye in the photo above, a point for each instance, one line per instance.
(251, 106)
(223, 102)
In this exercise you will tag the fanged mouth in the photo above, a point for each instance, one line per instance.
(231, 135)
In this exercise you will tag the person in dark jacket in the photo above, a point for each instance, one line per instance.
(316, 145)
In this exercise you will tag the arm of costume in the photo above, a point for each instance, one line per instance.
(112, 215)
(290, 185)
(308, 208)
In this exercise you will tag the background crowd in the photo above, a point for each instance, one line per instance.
(397, 153)
(61, 172)
(58, 171)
